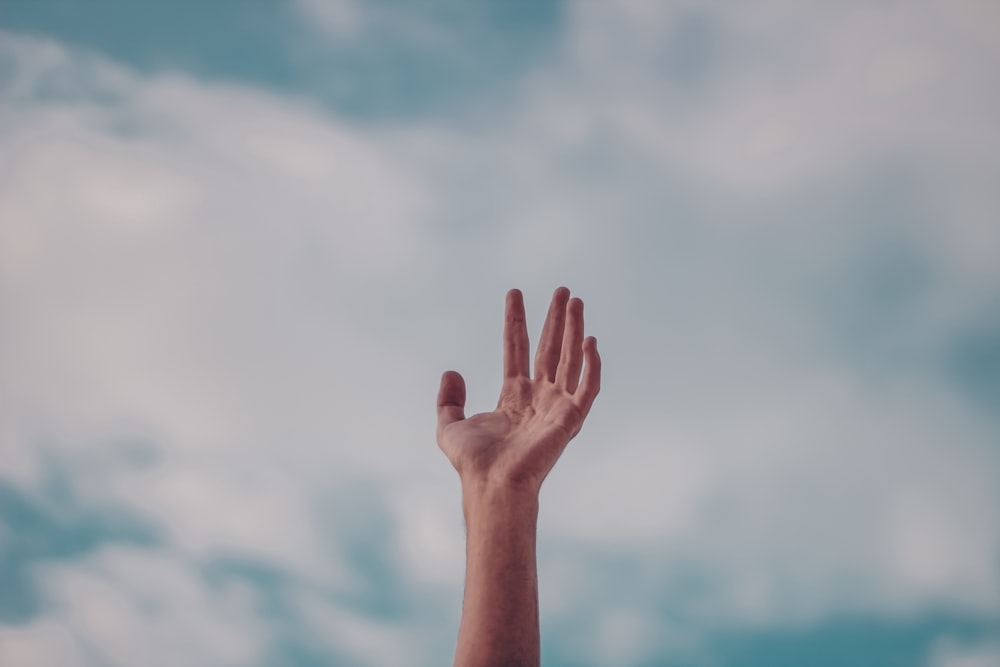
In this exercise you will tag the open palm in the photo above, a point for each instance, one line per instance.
(536, 417)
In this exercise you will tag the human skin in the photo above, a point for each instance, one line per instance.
(502, 457)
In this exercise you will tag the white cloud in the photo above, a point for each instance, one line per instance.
(365, 640)
(953, 652)
(271, 292)
(218, 303)
(221, 250)
(148, 607)
(42, 643)
(340, 18)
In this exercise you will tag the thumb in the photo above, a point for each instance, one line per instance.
(451, 399)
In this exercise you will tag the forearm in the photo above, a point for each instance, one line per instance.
(500, 612)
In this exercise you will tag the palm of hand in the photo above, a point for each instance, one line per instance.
(521, 440)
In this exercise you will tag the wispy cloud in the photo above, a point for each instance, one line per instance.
(225, 307)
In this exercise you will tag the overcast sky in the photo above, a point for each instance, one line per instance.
(240, 241)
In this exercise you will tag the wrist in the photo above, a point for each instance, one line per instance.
(499, 498)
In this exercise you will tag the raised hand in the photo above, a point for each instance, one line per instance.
(520, 441)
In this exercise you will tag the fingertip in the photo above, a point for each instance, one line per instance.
(560, 301)
(515, 303)
(452, 377)
(451, 399)
(452, 389)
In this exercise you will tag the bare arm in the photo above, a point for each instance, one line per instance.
(502, 457)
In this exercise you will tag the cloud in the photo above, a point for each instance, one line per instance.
(783, 230)
(955, 653)
(136, 316)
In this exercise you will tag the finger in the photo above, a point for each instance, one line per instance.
(451, 399)
(571, 359)
(590, 385)
(550, 342)
(515, 337)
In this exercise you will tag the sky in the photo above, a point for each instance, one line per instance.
(240, 241)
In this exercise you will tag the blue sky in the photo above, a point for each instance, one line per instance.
(240, 241)
(400, 60)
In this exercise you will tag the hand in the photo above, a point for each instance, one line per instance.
(520, 441)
